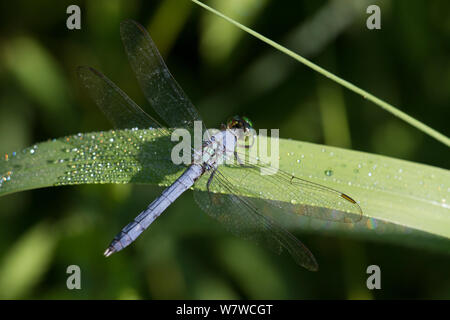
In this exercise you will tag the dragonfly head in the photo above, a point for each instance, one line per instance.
(242, 126)
(238, 122)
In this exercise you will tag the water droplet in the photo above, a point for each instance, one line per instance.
(328, 173)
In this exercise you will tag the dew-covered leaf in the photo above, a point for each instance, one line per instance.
(394, 195)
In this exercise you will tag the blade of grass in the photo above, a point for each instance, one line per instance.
(390, 191)
(366, 95)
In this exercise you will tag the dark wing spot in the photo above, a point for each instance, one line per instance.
(346, 197)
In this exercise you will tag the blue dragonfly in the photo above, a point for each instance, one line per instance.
(250, 217)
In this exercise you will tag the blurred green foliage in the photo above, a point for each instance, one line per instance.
(185, 254)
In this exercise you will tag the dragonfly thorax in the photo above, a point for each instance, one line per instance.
(217, 150)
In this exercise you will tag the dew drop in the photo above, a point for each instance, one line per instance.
(328, 173)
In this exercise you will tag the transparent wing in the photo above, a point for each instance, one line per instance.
(124, 113)
(303, 197)
(243, 217)
(159, 87)
(120, 109)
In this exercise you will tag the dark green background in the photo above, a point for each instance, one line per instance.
(185, 254)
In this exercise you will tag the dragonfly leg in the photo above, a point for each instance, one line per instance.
(210, 180)
(238, 159)
(248, 146)
(241, 163)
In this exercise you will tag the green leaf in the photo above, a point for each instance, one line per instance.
(396, 196)
(26, 262)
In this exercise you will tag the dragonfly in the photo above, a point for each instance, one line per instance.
(250, 216)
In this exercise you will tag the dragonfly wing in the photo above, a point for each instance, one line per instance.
(120, 109)
(302, 197)
(124, 113)
(159, 87)
(243, 217)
